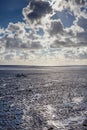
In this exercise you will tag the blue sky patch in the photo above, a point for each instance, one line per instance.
(65, 16)
(11, 11)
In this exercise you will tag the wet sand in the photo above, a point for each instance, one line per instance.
(43, 99)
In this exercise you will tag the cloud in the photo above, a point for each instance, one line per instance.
(76, 53)
(36, 45)
(80, 2)
(59, 44)
(12, 43)
(56, 27)
(52, 30)
(68, 43)
(17, 43)
(82, 22)
(13, 27)
(82, 37)
(17, 37)
(36, 10)
(9, 57)
(76, 7)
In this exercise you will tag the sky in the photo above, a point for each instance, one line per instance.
(43, 32)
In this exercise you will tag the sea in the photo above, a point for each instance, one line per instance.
(43, 97)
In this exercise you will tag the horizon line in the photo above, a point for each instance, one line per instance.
(40, 65)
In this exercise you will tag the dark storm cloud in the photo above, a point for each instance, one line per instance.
(39, 9)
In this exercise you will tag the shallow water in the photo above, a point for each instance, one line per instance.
(45, 98)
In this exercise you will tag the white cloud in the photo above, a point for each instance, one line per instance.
(41, 39)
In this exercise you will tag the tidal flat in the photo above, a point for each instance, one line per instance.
(43, 98)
